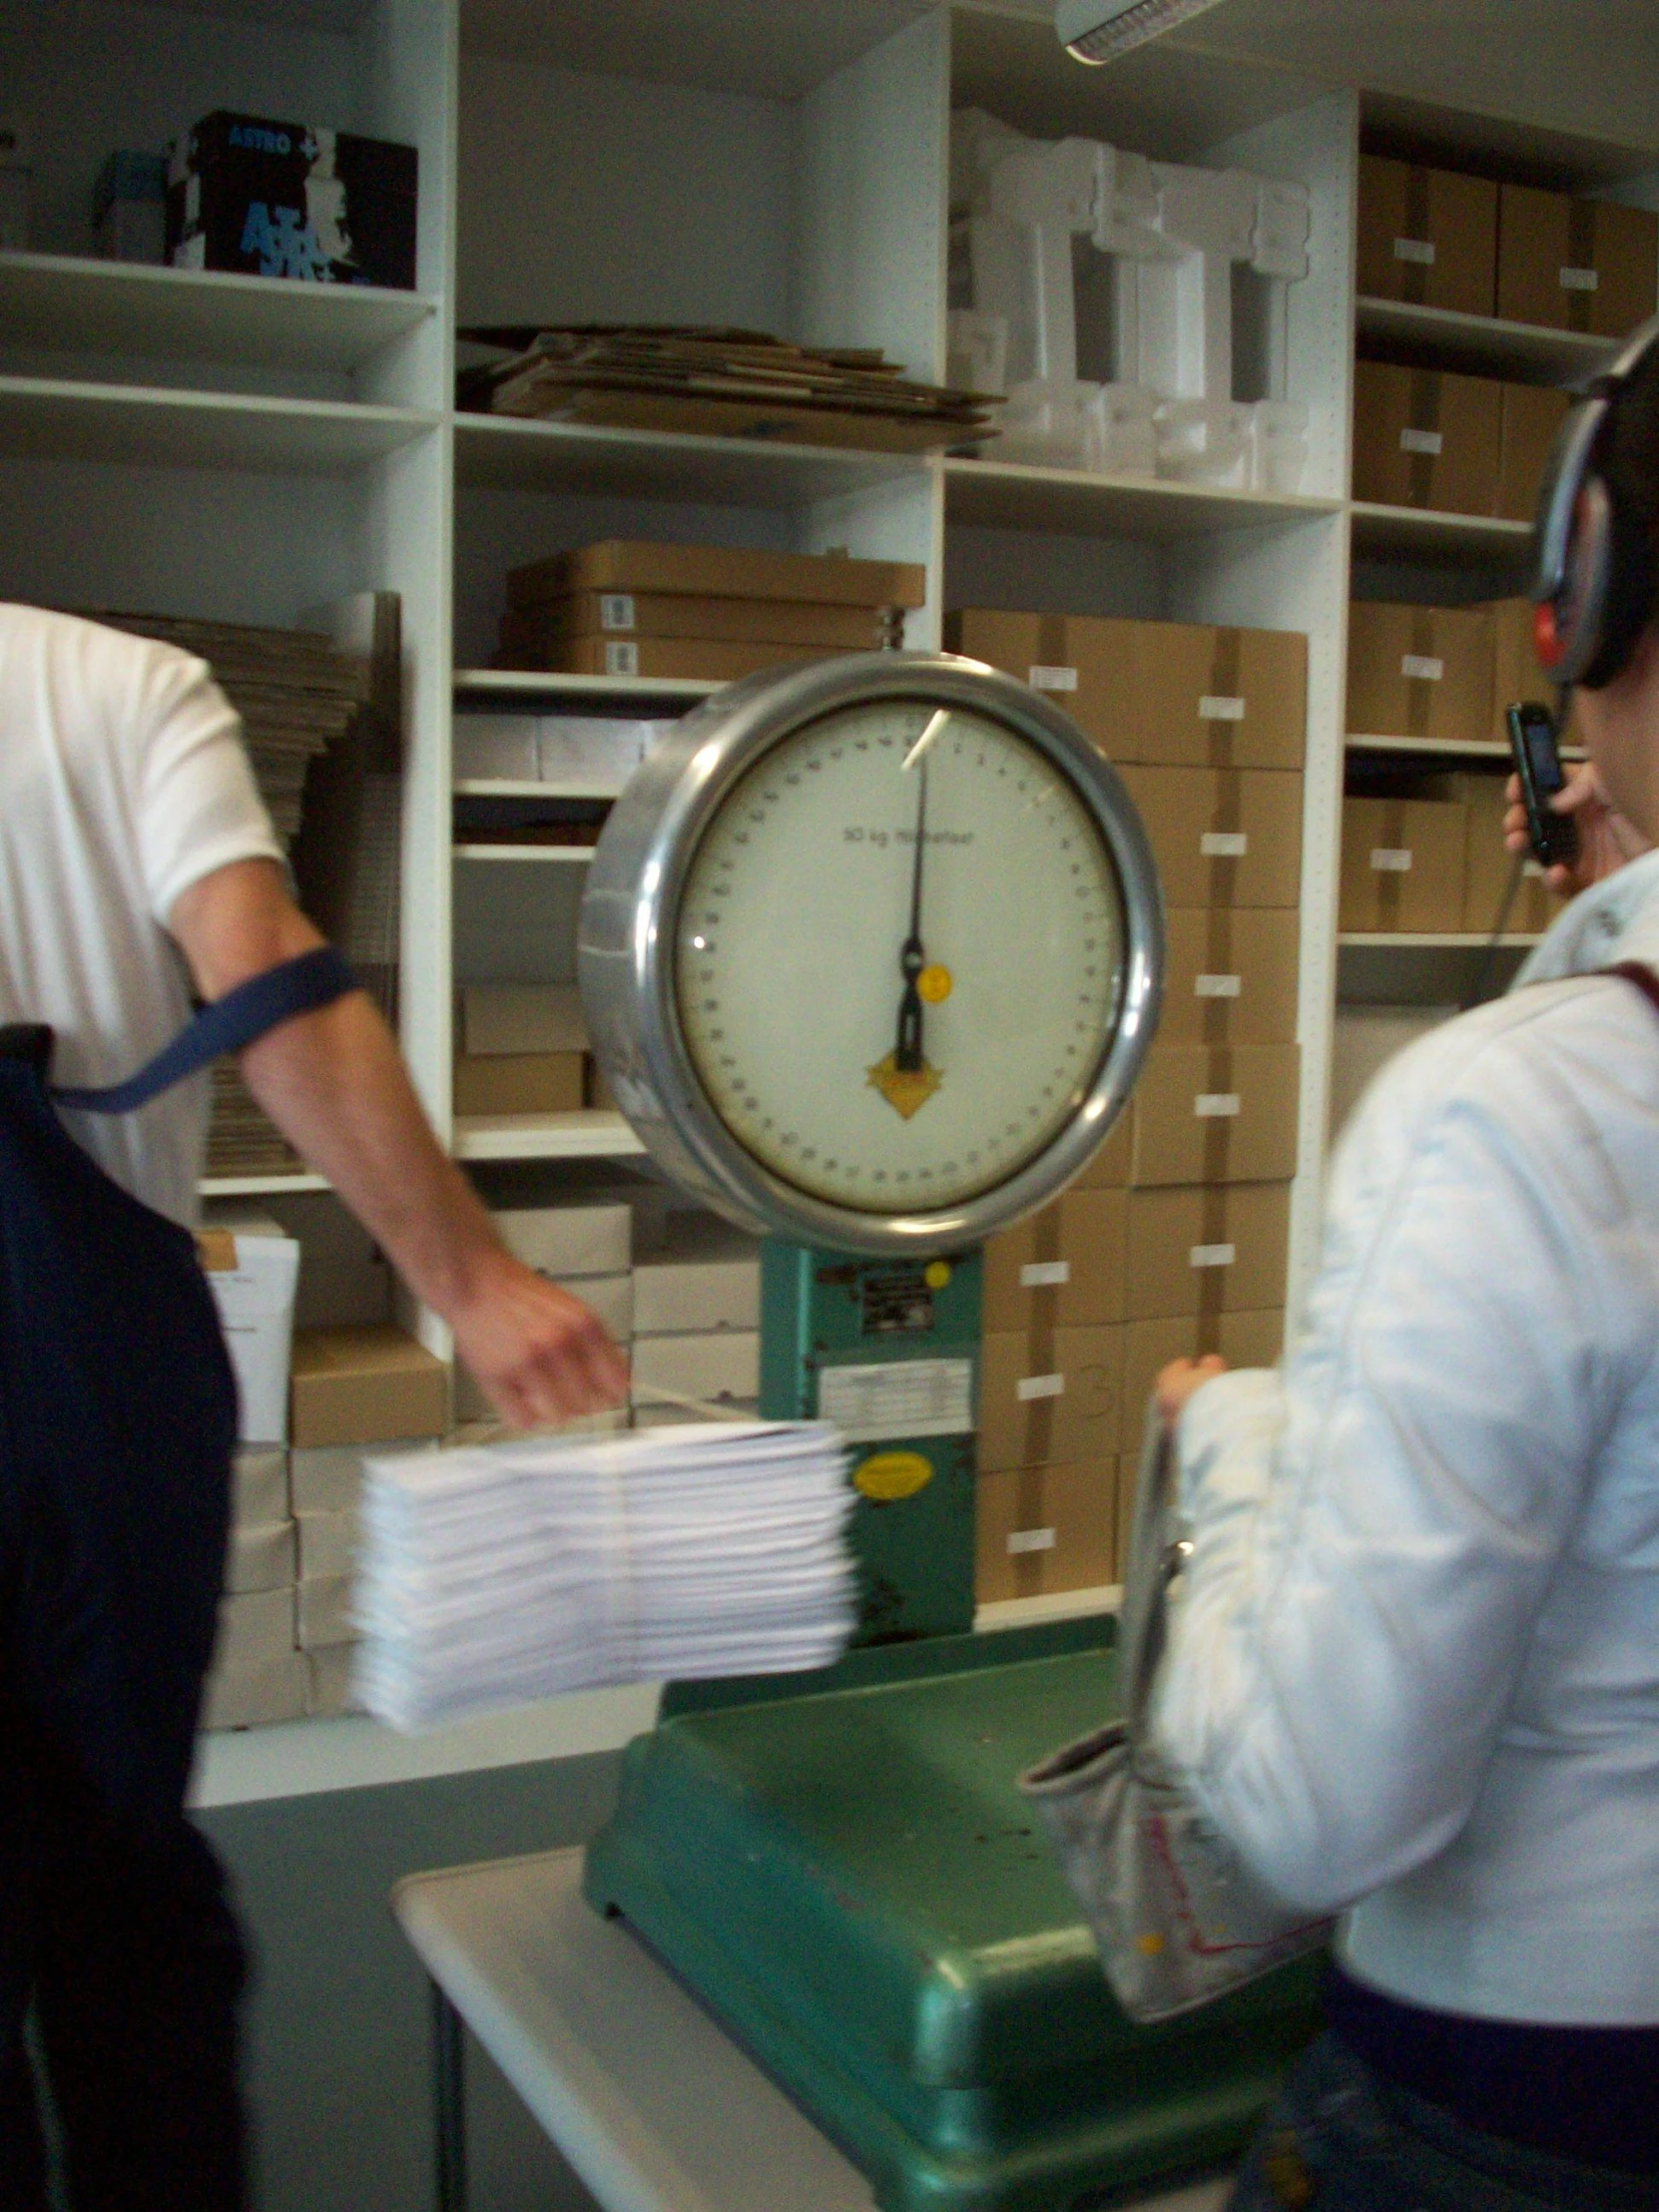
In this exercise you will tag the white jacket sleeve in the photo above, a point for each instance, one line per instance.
(1375, 1532)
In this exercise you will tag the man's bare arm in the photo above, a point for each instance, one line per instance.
(335, 1084)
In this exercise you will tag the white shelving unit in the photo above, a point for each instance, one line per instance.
(234, 448)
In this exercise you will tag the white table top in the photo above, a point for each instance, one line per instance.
(647, 2096)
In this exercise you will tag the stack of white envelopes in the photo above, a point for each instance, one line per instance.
(500, 1574)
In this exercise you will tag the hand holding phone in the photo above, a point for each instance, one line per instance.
(1552, 838)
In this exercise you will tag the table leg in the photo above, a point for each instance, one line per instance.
(448, 2104)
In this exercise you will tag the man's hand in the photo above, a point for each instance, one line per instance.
(1607, 839)
(1177, 1382)
(539, 1353)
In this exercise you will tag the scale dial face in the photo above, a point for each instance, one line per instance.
(898, 973)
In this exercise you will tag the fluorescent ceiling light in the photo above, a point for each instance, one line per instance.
(1096, 30)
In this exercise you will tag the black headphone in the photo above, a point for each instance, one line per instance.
(1595, 584)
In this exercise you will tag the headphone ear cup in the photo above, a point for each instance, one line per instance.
(1630, 594)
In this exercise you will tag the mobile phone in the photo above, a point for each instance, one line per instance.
(1552, 836)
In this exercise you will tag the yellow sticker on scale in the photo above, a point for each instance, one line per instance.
(934, 984)
(888, 1476)
(937, 1274)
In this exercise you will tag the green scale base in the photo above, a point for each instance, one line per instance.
(844, 1870)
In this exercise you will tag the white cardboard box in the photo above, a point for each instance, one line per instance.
(254, 1628)
(254, 1697)
(327, 1546)
(329, 1478)
(593, 751)
(323, 1613)
(564, 1242)
(522, 1017)
(261, 1558)
(497, 748)
(670, 1416)
(712, 1365)
(706, 1276)
(330, 1681)
(259, 1485)
(254, 1295)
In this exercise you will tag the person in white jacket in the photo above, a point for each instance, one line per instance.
(1414, 1675)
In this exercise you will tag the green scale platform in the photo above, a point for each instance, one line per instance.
(844, 1870)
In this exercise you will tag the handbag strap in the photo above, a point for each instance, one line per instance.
(1153, 1561)
(299, 987)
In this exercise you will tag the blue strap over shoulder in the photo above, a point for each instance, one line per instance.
(240, 1018)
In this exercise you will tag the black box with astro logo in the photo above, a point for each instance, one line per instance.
(272, 199)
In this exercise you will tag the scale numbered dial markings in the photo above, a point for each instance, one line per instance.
(898, 971)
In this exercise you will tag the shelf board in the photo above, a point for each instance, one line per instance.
(1010, 494)
(1422, 533)
(491, 786)
(1482, 343)
(57, 419)
(507, 453)
(262, 1186)
(586, 1135)
(1405, 940)
(633, 694)
(569, 855)
(1446, 749)
(95, 306)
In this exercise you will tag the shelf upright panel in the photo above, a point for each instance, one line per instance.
(411, 50)
(1297, 577)
(872, 193)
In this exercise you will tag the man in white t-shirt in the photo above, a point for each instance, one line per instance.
(139, 870)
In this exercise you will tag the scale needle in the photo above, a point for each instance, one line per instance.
(936, 724)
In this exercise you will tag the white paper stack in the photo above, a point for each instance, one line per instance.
(500, 1574)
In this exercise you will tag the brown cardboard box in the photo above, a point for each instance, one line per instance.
(255, 1630)
(1531, 417)
(1216, 1114)
(1402, 866)
(1230, 975)
(1222, 837)
(365, 1386)
(331, 1682)
(323, 1614)
(1488, 865)
(1039, 1530)
(1243, 1340)
(627, 614)
(259, 1485)
(257, 1695)
(260, 1558)
(519, 1083)
(1426, 438)
(1575, 265)
(521, 1017)
(1419, 672)
(1048, 1397)
(1428, 236)
(682, 659)
(597, 1094)
(1170, 693)
(1109, 1168)
(1062, 1268)
(719, 572)
(1218, 1250)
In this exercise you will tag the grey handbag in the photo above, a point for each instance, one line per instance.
(1179, 1918)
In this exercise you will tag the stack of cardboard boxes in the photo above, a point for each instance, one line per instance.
(1425, 852)
(1173, 1242)
(523, 1050)
(698, 613)
(586, 1247)
(696, 1320)
(1425, 438)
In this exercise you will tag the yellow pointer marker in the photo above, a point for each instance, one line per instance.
(937, 1274)
(934, 984)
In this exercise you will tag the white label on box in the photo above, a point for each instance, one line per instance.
(1421, 668)
(1217, 986)
(1045, 1274)
(1030, 1539)
(616, 610)
(1224, 844)
(899, 1397)
(1216, 1105)
(1421, 441)
(1220, 710)
(1390, 859)
(1212, 1256)
(1580, 279)
(620, 659)
(1420, 251)
(1053, 678)
(1032, 1386)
